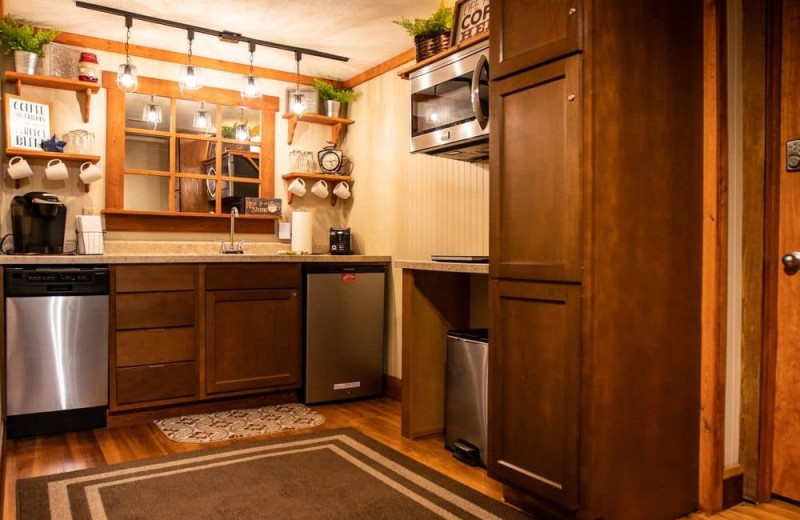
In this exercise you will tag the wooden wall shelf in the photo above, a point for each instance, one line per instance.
(332, 179)
(58, 83)
(42, 154)
(337, 124)
(405, 73)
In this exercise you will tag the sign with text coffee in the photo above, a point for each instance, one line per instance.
(470, 18)
(27, 123)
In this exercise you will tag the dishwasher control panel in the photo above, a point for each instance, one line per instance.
(27, 281)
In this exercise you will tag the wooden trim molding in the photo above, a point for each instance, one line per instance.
(382, 68)
(713, 306)
(141, 51)
(393, 387)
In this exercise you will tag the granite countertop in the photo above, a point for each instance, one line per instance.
(448, 267)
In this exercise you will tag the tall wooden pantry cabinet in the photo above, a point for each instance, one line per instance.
(595, 256)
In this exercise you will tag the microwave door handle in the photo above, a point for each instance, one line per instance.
(475, 95)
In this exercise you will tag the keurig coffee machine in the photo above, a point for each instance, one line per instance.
(37, 221)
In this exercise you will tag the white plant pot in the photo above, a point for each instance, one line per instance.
(25, 62)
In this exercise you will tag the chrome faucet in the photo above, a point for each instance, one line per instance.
(237, 248)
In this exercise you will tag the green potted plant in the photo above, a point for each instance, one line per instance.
(334, 98)
(432, 34)
(25, 42)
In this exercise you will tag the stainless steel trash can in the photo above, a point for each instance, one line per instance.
(466, 401)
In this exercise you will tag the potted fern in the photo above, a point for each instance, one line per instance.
(335, 98)
(25, 42)
(432, 34)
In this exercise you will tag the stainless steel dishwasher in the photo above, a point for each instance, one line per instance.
(344, 332)
(56, 349)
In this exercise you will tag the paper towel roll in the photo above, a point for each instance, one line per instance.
(301, 231)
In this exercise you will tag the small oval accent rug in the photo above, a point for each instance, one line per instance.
(237, 424)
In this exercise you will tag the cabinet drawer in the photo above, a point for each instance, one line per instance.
(153, 310)
(157, 382)
(252, 276)
(153, 346)
(151, 278)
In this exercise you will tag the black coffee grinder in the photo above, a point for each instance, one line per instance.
(37, 221)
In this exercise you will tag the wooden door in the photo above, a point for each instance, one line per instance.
(786, 447)
(252, 340)
(520, 40)
(536, 183)
(534, 388)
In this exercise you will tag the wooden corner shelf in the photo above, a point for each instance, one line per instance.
(86, 87)
(316, 177)
(404, 73)
(337, 124)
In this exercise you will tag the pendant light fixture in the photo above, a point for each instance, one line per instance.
(298, 100)
(240, 130)
(249, 88)
(201, 118)
(126, 76)
(152, 113)
(190, 74)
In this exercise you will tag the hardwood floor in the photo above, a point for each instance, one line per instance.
(378, 418)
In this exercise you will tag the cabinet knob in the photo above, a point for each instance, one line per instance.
(294, 295)
(791, 261)
(572, 10)
(571, 97)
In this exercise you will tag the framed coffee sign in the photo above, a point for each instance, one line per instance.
(27, 123)
(470, 18)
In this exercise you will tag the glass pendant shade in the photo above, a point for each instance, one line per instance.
(298, 103)
(201, 119)
(127, 80)
(241, 132)
(249, 88)
(190, 78)
(152, 113)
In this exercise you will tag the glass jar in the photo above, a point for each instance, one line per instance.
(79, 142)
(88, 68)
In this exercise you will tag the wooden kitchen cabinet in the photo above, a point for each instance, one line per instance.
(537, 220)
(252, 340)
(526, 33)
(596, 209)
(253, 327)
(154, 341)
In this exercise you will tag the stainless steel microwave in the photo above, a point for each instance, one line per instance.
(450, 106)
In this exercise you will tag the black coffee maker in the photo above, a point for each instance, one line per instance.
(37, 221)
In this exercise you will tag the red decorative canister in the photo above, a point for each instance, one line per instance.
(88, 68)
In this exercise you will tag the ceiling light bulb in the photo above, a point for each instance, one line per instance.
(152, 113)
(201, 119)
(249, 88)
(242, 132)
(190, 78)
(298, 103)
(127, 81)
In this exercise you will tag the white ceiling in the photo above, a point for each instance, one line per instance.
(359, 29)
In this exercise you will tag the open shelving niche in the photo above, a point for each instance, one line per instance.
(84, 87)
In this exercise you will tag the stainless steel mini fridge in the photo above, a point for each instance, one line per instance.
(466, 402)
(344, 332)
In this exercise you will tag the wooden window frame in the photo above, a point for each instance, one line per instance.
(120, 219)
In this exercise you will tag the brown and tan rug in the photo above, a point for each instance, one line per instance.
(237, 424)
(335, 474)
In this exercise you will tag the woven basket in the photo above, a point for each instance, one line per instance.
(428, 46)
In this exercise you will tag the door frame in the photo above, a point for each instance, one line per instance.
(771, 242)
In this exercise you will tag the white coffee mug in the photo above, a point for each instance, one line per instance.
(56, 170)
(90, 172)
(342, 190)
(320, 189)
(298, 187)
(18, 168)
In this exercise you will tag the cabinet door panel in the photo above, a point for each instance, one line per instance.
(156, 382)
(535, 174)
(534, 383)
(252, 340)
(526, 33)
(151, 310)
(153, 278)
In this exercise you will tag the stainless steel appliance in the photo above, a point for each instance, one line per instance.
(340, 241)
(56, 349)
(344, 332)
(450, 106)
(37, 222)
(466, 416)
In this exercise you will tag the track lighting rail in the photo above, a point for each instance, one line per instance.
(223, 35)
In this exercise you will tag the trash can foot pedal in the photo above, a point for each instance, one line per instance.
(466, 452)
